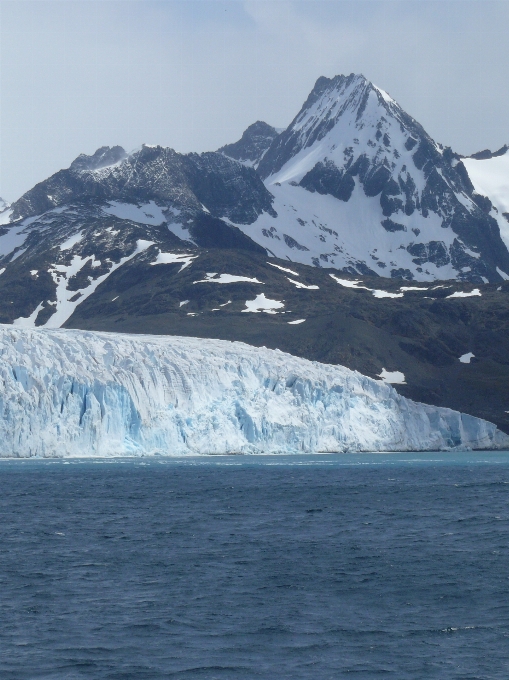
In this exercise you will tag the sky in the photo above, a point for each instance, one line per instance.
(193, 74)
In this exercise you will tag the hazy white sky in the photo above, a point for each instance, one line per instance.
(193, 74)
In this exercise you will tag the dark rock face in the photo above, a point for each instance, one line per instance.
(389, 225)
(252, 145)
(210, 232)
(486, 154)
(434, 251)
(226, 188)
(325, 178)
(292, 243)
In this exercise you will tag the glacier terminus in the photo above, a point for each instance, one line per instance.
(77, 393)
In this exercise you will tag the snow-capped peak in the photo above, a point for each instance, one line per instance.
(342, 118)
(371, 191)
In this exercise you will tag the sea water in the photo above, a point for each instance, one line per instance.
(315, 567)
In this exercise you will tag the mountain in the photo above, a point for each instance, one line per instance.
(197, 184)
(253, 144)
(305, 242)
(64, 237)
(71, 393)
(360, 186)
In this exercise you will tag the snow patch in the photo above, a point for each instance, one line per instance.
(461, 294)
(226, 278)
(283, 269)
(386, 294)
(299, 284)
(171, 258)
(61, 275)
(357, 285)
(263, 304)
(71, 241)
(348, 284)
(294, 323)
(384, 94)
(393, 377)
(465, 358)
(18, 253)
(490, 178)
(148, 213)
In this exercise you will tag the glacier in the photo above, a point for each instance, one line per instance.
(70, 393)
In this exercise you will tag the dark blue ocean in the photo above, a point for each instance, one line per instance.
(324, 567)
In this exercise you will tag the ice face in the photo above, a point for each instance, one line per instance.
(78, 393)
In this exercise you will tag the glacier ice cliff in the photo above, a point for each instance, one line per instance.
(77, 393)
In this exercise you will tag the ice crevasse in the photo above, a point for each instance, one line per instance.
(77, 393)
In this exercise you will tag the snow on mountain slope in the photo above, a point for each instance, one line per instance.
(79, 226)
(75, 393)
(317, 230)
(53, 262)
(372, 192)
(490, 177)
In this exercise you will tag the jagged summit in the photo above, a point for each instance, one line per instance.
(253, 144)
(102, 158)
(331, 101)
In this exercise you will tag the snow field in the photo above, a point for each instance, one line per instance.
(263, 304)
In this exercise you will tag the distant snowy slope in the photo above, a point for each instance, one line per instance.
(490, 177)
(75, 393)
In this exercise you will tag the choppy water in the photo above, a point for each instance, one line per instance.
(369, 566)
